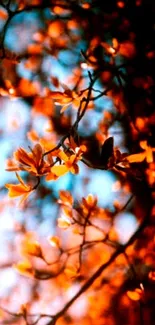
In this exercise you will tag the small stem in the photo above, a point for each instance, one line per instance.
(37, 184)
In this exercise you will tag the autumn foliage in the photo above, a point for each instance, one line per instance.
(77, 197)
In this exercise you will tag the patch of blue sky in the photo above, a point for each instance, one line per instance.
(104, 102)
(48, 13)
(125, 224)
(5, 151)
(116, 130)
(99, 184)
(23, 72)
(47, 226)
(52, 67)
(21, 30)
(12, 111)
(69, 58)
(82, 44)
(39, 124)
(89, 123)
(62, 183)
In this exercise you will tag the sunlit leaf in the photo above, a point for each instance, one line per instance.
(54, 241)
(152, 275)
(33, 135)
(74, 169)
(38, 152)
(136, 158)
(63, 223)
(17, 189)
(65, 197)
(24, 268)
(51, 177)
(135, 295)
(29, 245)
(32, 248)
(43, 106)
(71, 271)
(59, 170)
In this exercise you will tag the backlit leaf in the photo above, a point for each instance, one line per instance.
(59, 170)
(136, 158)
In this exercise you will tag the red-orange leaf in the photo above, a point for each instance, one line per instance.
(136, 158)
(17, 189)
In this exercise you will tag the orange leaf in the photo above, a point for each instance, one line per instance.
(31, 247)
(71, 271)
(149, 155)
(32, 135)
(28, 88)
(54, 241)
(62, 155)
(63, 223)
(60, 97)
(38, 152)
(34, 49)
(152, 275)
(24, 157)
(17, 189)
(24, 267)
(11, 166)
(91, 200)
(138, 157)
(66, 197)
(135, 295)
(3, 14)
(43, 106)
(74, 169)
(59, 170)
(51, 177)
